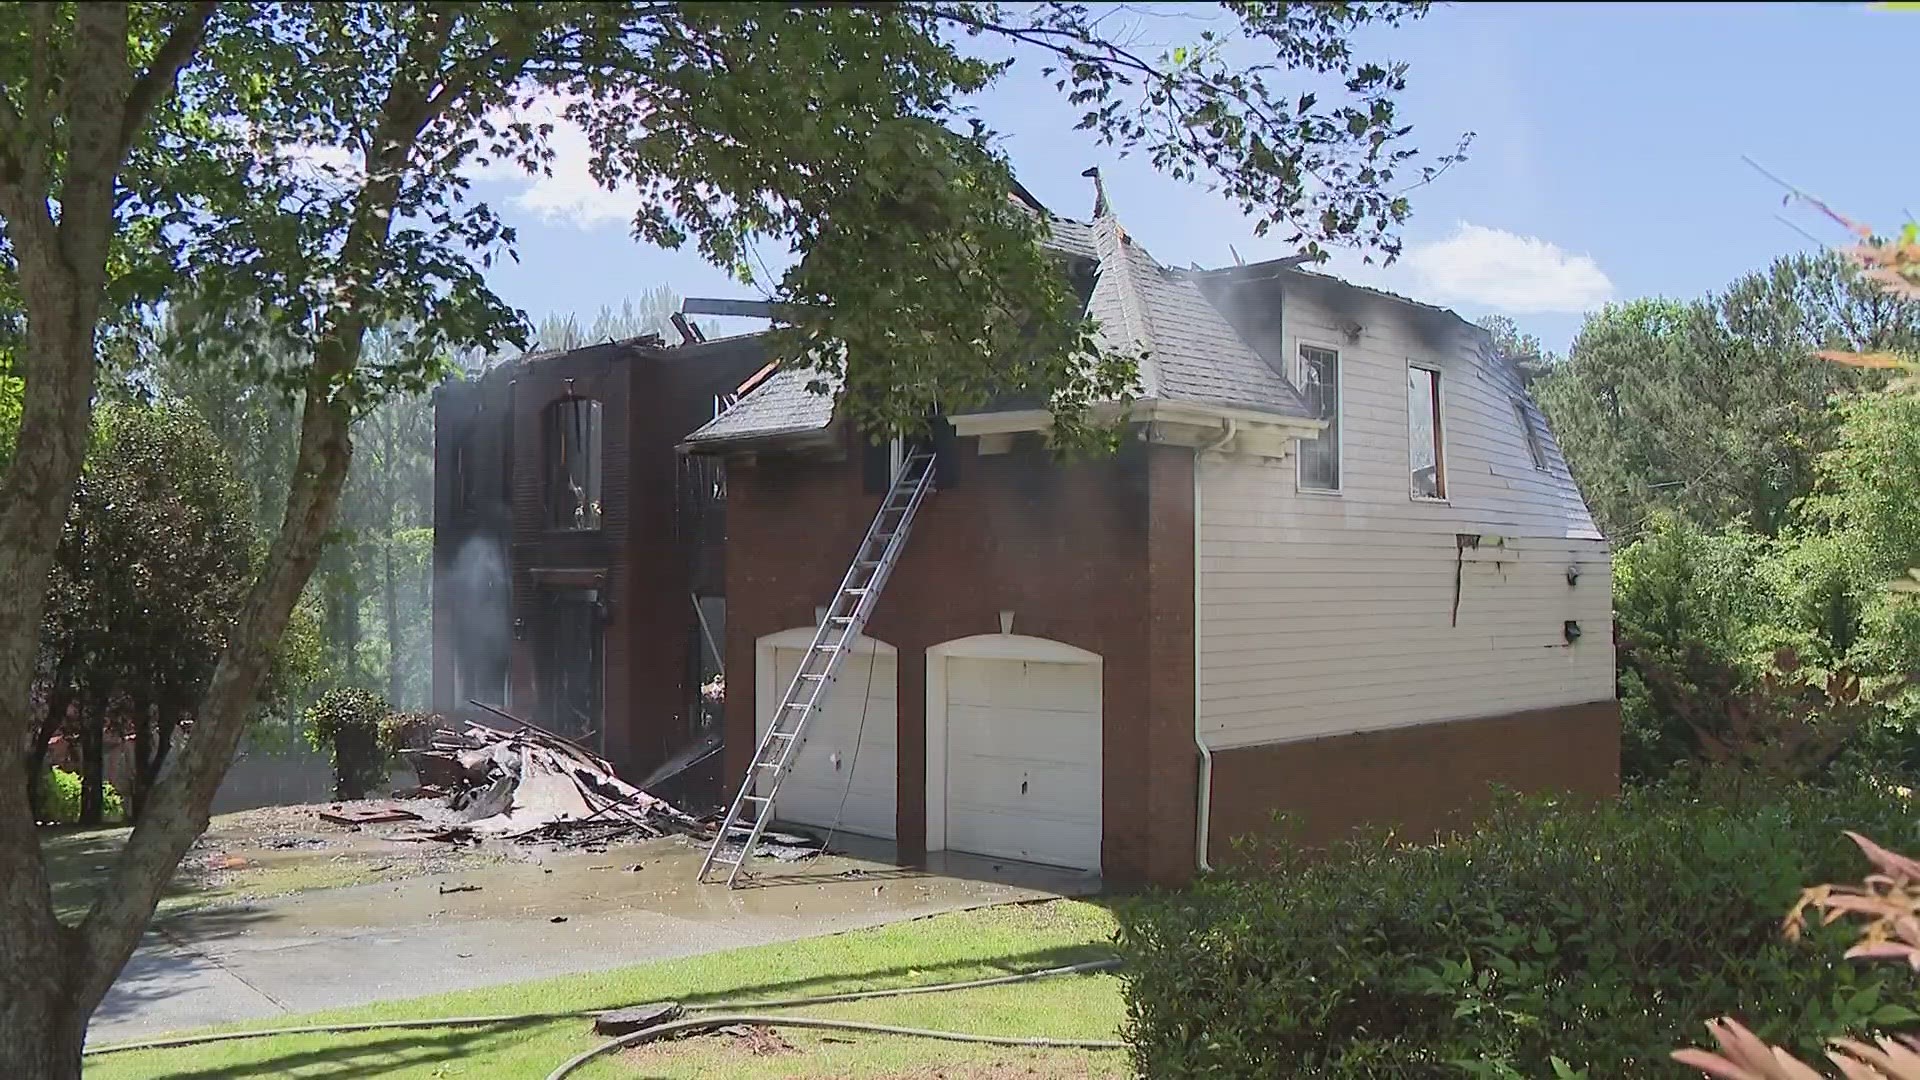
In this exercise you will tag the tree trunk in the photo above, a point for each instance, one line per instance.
(46, 995)
(164, 725)
(93, 762)
(41, 1033)
(394, 674)
(59, 700)
(144, 723)
(90, 958)
(343, 610)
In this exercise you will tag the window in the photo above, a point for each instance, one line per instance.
(1320, 384)
(463, 479)
(1534, 449)
(1425, 438)
(573, 463)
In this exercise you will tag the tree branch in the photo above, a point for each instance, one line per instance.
(157, 81)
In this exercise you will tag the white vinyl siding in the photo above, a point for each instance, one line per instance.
(1322, 616)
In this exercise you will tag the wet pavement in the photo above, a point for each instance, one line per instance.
(349, 946)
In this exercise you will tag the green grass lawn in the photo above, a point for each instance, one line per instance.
(947, 948)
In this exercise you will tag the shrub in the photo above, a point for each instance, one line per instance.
(406, 731)
(1554, 941)
(1682, 597)
(347, 722)
(60, 797)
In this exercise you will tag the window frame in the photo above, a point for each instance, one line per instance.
(551, 470)
(1339, 418)
(1442, 494)
(466, 495)
(1530, 434)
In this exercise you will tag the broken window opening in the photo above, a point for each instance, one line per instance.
(711, 680)
(1426, 438)
(573, 439)
(463, 477)
(1320, 385)
(1535, 449)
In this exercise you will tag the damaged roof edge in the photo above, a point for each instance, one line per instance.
(781, 407)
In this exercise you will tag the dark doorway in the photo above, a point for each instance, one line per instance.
(571, 661)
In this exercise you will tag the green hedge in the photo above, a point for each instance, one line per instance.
(60, 792)
(1555, 941)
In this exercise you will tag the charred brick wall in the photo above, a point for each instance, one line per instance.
(651, 398)
(673, 392)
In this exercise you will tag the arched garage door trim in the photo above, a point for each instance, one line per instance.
(768, 690)
(981, 647)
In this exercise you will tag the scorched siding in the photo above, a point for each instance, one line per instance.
(1328, 613)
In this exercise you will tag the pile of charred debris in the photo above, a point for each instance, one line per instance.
(532, 785)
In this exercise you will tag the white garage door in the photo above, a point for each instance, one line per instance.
(1023, 760)
(812, 791)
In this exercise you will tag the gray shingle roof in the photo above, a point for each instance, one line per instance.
(780, 405)
(1188, 350)
(1070, 237)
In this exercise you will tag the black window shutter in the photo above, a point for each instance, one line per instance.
(875, 478)
(946, 449)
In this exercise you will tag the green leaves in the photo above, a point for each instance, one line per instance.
(154, 558)
(314, 172)
(1552, 940)
(1716, 408)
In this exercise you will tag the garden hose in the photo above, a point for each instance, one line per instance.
(708, 1023)
(527, 1018)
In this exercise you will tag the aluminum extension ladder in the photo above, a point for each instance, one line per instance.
(845, 618)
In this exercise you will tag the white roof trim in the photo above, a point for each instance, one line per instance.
(1174, 412)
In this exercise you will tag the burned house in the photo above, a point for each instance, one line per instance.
(1339, 570)
(576, 556)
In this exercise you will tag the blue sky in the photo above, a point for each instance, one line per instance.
(1606, 163)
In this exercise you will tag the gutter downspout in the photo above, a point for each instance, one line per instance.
(1228, 429)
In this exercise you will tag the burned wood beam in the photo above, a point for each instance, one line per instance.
(689, 333)
(751, 309)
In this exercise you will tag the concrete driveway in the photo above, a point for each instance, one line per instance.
(567, 913)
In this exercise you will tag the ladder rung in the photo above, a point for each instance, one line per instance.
(733, 846)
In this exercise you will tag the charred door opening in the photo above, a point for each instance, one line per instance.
(480, 620)
(570, 663)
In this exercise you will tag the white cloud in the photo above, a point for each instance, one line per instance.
(570, 196)
(1504, 271)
